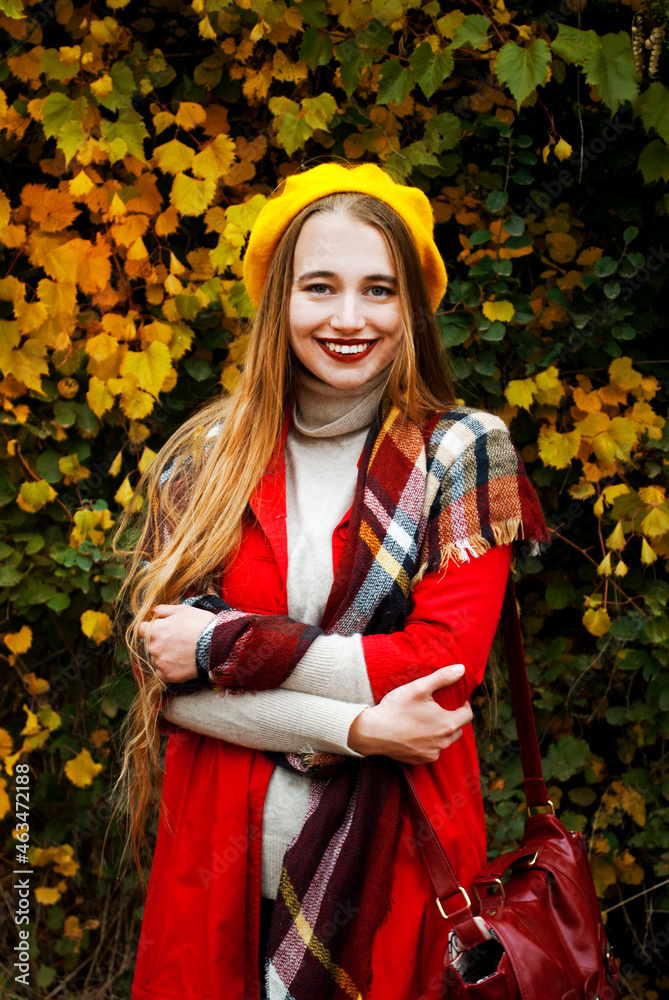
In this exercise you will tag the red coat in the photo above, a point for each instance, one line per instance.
(199, 937)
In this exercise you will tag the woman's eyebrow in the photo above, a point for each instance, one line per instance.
(309, 275)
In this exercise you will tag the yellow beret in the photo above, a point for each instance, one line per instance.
(302, 189)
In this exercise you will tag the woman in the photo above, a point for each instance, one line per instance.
(331, 544)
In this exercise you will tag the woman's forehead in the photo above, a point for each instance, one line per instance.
(330, 241)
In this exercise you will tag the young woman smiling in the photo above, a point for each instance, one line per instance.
(331, 544)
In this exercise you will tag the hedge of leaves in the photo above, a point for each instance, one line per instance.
(138, 143)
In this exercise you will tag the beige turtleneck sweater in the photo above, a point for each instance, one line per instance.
(317, 704)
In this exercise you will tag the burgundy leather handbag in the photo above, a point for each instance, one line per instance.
(548, 940)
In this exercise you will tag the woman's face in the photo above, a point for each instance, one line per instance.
(345, 322)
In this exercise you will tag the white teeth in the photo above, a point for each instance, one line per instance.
(347, 348)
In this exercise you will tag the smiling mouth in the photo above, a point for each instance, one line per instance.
(347, 350)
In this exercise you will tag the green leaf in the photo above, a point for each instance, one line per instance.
(654, 105)
(316, 48)
(657, 629)
(473, 32)
(574, 45)
(318, 111)
(350, 58)
(610, 69)
(313, 14)
(514, 225)
(654, 162)
(56, 111)
(47, 466)
(565, 758)
(54, 68)
(124, 87)
(13, 8)
(394, 83)
(523, 69)
(559, 594)
(605, 267)
(442, 132)
(495, 332)
(9, 577)
(630, 233)
(482, 236)
(71, 139)
(419, 155)
(126, 135)
(430, 70)
(496, 201)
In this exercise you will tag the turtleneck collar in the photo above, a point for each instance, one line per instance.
(323, 410)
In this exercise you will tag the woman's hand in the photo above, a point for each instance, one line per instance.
(172, 638)
(408, 725)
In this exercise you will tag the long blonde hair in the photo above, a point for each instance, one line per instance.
(198, 487)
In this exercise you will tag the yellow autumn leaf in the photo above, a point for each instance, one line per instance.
(6, 743)
(82, 769)
(597, 621)
(622, 374)
(589, 402)
(98, 397)
(498, 309)
(616, 539)
(173, 157)
(558, 450)
(562, 149)
(621, 568)
(124, 495)
(33, 496)
(96, 625)
(147, 457)
(48, 718)
(656, 522)
(32, 725)
(215, 159)
(627, 868)
(191, 196)
(617, 441)
(150, 367)
(521, 392)
(230, 377)
(190, 115)
(35, 685)
(593, 423)
(137, 404)
(604, 568)
(648, 554)
(99, 736)
(549, 387)
(582, 490)
(46, 896)
(19, 642)
(72, 469)
(562, 247)
(115, 467)
(652, 495)
(64, 861)
(5, 804)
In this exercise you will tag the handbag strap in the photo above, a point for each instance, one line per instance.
(436, 860)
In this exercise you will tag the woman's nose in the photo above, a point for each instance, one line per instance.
(348, 314)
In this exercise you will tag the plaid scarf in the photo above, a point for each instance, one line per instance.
(447, 490)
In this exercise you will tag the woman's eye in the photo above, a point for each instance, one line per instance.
(378, 291)
(317, 288)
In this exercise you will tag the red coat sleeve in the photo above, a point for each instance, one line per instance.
(452, 619)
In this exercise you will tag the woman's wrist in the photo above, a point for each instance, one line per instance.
(361, 735)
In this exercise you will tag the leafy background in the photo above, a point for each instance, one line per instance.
(138, 141)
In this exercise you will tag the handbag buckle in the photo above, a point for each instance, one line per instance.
(541, 810)
(468, 903)
(496, 881)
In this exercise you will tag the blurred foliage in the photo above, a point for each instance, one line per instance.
(138, 144)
